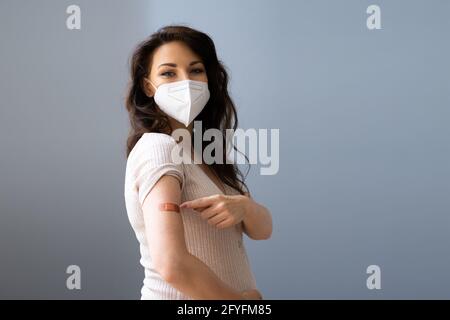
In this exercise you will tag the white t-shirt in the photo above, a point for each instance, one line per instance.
(222, 250)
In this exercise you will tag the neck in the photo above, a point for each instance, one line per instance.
(178, 125)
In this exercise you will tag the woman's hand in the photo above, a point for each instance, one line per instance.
(221, 211)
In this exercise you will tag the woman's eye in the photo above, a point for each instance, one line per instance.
(197, 70)
(167, 74)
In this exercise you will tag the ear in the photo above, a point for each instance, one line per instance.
(148, 89)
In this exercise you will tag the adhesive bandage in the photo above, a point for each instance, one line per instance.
(168, 206)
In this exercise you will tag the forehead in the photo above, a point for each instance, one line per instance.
(173, 52)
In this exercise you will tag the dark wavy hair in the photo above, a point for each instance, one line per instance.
(219, 112)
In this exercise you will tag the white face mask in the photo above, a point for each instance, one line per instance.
(182, 100)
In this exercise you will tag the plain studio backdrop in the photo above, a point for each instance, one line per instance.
(364, 175)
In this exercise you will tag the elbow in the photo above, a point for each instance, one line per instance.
(269, 233)
(170, 269)
(169, 273)
(266, 236)
(264, 232)
(262, 236)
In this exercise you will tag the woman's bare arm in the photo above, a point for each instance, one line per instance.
(257, 223)
(165, 235)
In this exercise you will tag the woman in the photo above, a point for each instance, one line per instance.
(188, 218)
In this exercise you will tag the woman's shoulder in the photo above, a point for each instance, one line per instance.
(152, 148)
(153, 141)
(157, 138)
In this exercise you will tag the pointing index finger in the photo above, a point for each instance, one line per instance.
(198, 203)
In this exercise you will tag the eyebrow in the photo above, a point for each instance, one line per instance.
(174, 64)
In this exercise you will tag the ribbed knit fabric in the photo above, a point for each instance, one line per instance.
(222, 250)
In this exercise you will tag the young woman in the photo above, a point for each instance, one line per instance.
(188, 218)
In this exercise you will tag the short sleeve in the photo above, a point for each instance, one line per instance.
(152, 159)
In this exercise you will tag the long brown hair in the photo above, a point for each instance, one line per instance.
(219, 112)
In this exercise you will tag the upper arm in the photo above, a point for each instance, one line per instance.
(164, 229)
(159, 179)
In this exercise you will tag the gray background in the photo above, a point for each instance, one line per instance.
(364, 153)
